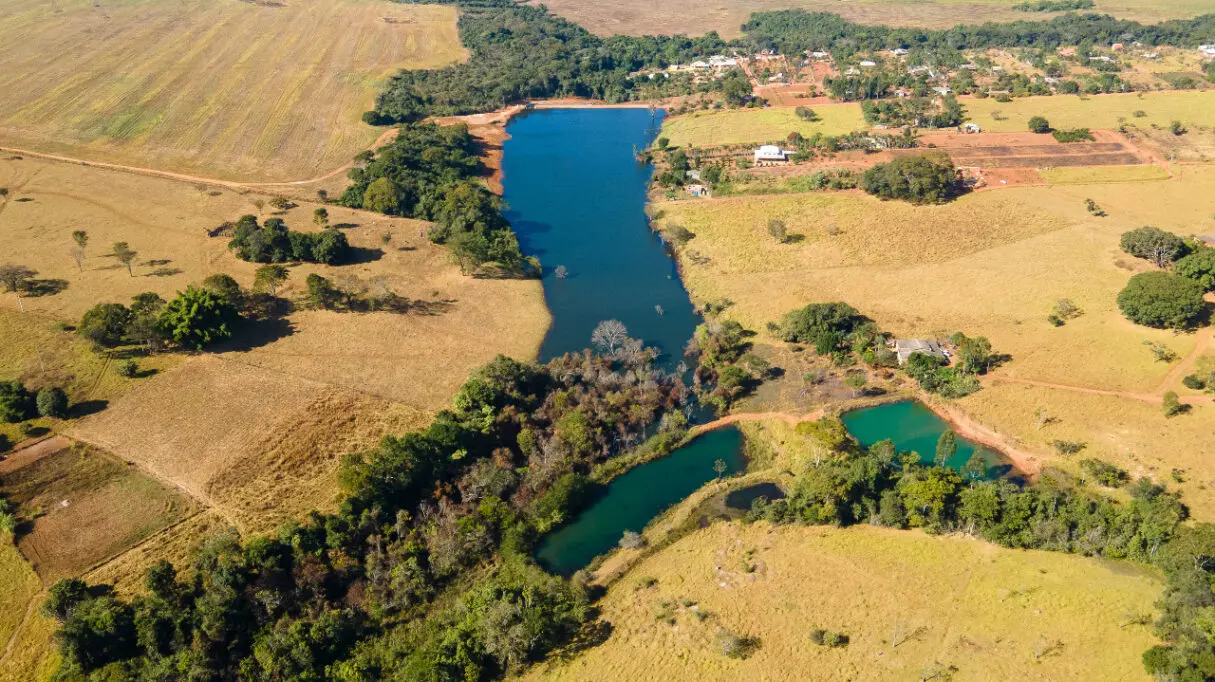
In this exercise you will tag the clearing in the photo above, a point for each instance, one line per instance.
(905, 599)
(756, 126)
(1096, 111)
(638, 17)
(223, 88)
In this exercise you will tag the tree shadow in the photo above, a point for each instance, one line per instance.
(795, 238)
(157, 262)
(255, 334)
(358, 255)
(35, 288)
(87, 407)
(344, 226)
(164, 272)
(407, 248)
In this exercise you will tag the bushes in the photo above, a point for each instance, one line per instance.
(925, 179)
(274, 243)
(52, 402)
(1038, 124)
(198, 318)
(105, 324)
(1105, 473)
(1199, 267)
(1162, 300)
(16, 403)
(1076, 135)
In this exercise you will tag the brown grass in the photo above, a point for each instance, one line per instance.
(87, 507)
(229, 89)
(956, 601)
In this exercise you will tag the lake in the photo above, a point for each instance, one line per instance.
(634, 498)
(577, 198)
(914, 427)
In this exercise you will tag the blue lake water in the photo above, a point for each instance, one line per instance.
(577, 199)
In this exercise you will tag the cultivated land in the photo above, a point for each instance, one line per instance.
(738, 126)
(956, 601)
(238, 90)
(637, 17)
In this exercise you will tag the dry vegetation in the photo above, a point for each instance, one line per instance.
(1097, 112)
(636, 17)
(238, 90)
(756, 126)
(993, 613)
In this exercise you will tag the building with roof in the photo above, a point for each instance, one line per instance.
(770, 154)
(904, 348)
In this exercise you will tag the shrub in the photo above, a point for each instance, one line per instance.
(1162, 300)
(778, 230)
(1172, 405)
(16, 403)
(1105, 473)
(1068, 447)
(733, 646)
(197, 318)
(1076, 135)
(1039, 125)
(52, 402)
(828, 638)
(1193, 382)
(128, 369)
(1154, 244)
(105, 324)
(924, 179)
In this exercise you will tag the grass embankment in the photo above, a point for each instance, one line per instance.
(948, 600)
(1097, 111)
(115, 84)
(758, 126)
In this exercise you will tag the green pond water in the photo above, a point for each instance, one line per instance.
(915, 428)
(634, 498)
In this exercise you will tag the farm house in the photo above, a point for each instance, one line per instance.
(769, 154)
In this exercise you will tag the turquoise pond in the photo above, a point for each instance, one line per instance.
(634, 498)
(915, 428)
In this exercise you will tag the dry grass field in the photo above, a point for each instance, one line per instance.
(636, 17)
(1196, 108)
(1099, 174)
(756, 126)
(950, 600)
(219, 88)
(86, 507)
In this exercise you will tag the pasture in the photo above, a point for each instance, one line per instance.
(758, 126)
(1106, 112)
(906, 600)
(269, 91)
(636, 17)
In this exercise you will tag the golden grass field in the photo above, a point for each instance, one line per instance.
(218, 88)
(1083, 175)
(636, 17)
(757, 126)
(972, 605)
(1098, 111)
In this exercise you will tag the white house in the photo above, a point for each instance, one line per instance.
(700, 65)
(821, 55)
(1208, 50)
(868, 63)
(770, 154)
(904, 348)
(718, 61)
(942, 91)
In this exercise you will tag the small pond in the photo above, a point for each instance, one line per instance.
(743, 498)
(915, 428)
(634, 498)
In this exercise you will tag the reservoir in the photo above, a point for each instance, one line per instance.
(637, 496)
(577, 199)
(914, 427)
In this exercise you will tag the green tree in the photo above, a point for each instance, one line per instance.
(125, 255)
(947, 447)
(144, 324)
(197, 318)
(856, 381)
(105, 324)
(1038, 124)
(976, 467)
(52, 402)
(225, 287)
(268, 277)
(1198, 266)
(15, 279)
(1154, 244)
(321, 216)
(63, 598)
(381, 196)
(1162, 300)
(778, 230)
(321, 292)
(16, 403)
(1172, 405)
(921, 179)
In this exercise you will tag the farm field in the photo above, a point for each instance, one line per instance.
(1195, 108)
(634, 17)
(234, 103)
(956, 601)
(757, 126)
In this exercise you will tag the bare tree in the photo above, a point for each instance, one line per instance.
(125, 255)
(609, 335)
(81, 238)
(78, 256)
(15, 279)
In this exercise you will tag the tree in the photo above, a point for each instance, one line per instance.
(268, 277)
(105, 324)
(224, 286)
(922, 179)
(15, 279)
(1038, 124)
(63, 598)
(1172, 405)
(321, 292)
(1154, 244)
(609, 335)
(381, 196)
(52, 402)
(1198, 266)
(321, 216)
(125, 255)
(856, 381)
(720, 468)
(778, 230)
(198, 318)
(144, 324)
(976, 466)
(81, 238)
(1162, 300)
(16, 403)
(947, 447)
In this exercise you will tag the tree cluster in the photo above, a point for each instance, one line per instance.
(920, 112)
(1162, 300)
(922, 179)
(196, 318)
(274, 243)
